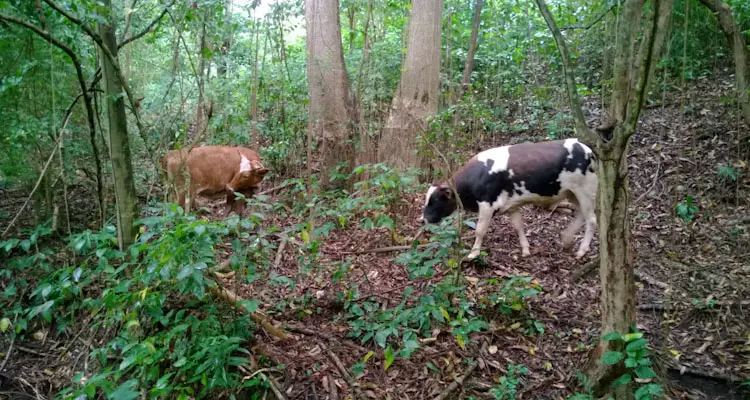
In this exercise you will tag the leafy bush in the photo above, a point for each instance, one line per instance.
(166, 339)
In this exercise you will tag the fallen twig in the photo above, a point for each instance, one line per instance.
(7, 354)
(231, 298)
(456, 383)
(345, 374)
(280, 253)
(274, 386)
(277, 188)
(586, 269)
(653, 183)
(649, 279)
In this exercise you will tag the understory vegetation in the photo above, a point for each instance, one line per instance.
(328, 286)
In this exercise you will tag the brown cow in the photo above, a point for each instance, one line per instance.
(214, 169)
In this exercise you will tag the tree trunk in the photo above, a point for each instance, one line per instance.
(199, 110)
(469, 63)
(611, 147)
(739, 48)
(417, 94)
(254, 134)
(331, 113)
(222, 66)
(119, 145)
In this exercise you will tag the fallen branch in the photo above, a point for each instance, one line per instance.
(707, 375)
(385, 249)
(277, 188)
(231, 298)
(653, 183)
(274, 386)
(280, 253)
(586, 269)
(456, 383)
(649, 279)
(345, 374)
(7, 353)
(703, 306)
(389, 249)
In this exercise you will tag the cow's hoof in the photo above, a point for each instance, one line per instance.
(567, 243)
(525, 253)
(581, 253)
(474, 254)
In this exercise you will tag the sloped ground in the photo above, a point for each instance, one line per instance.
(707, 260)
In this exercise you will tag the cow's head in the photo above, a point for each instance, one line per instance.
(252, 172)
(440, 202)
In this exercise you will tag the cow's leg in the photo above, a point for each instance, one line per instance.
(516, 219)
(586, 213)
(569, 233)
(230, 201)
(485, 218)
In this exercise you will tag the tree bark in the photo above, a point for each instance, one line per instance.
(738, 44)
(417, 94)
(119, 145)
(611, 147)
(199, 108)
(331, 113)
(469, 62)
(226, 46)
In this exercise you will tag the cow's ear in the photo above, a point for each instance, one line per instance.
(262, 171)
(446, 190)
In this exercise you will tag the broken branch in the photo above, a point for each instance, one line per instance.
(231, 298)
(456, 383)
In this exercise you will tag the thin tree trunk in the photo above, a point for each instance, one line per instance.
(419, 87)
(254, 139)
(366, 153)
(122, 167)
(611, 146)
(226, 46)
(469, 62)
(331, 102)
(739, 49)
(199, 109)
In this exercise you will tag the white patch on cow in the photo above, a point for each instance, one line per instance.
(510, 173)
(245, 165)
(430, 191)
(569, 144)
(499, 157)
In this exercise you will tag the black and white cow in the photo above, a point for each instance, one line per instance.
(504, 179)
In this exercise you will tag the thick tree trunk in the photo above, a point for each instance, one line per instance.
(417, 94)
(331, 114)
(739, 50)
(119, 144)
(469, 62)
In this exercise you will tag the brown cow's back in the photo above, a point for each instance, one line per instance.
(214, 169)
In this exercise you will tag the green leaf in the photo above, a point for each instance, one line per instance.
(612, 336)
(647, 391)
(185, 272)
(199, 229)
(623, 380)
(645, 372)
(128, 361)
(433, 367)
(4, 324)
(125, 391)
(632, 336)
(636, 345)
(182, 361)
(389, 357)
(250, 305)
(611, 357)
(382, 336)
(26, 245)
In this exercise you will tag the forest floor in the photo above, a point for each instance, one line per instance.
(692, 278)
